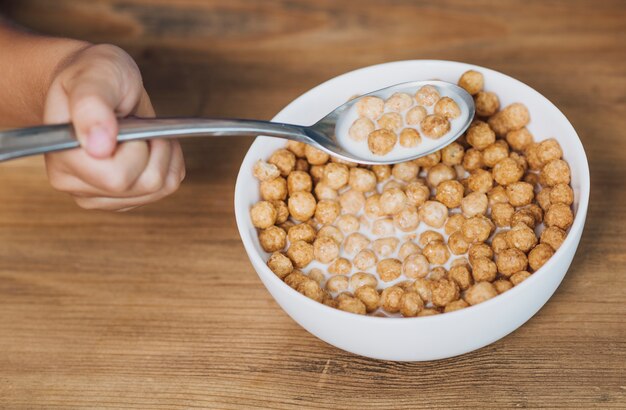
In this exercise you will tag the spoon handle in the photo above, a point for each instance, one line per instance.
(23, 142)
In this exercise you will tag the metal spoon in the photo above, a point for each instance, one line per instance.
(49, 138)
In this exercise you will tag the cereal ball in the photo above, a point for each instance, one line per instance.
(480, 292)
(496, 152)
(520, 159)
(410, 138)
(297, 147)
(457, 243)
(561, 194)
(410, 304)
(337, 284)
(480, 180)
(559, 215)
(427, 96)
(325, 249)
(477, 229)
(352, 305)
(273, 239)
(295, 278)
(521, 237)
(311, 289)
(472, 81)
(524, 216)
(427, 237)
(543, 198)
(450, 193)
(398, 102)
(416, 193)
(531, 178)
(361, 128)
(390, 121)
(263, 214)
(549, 150)
(299, 181)
(393, 184)
(348, 223)
(282, 212)
(479, 250)
(264, 171)
(512, 117)
(499, 242)
(454, 223)
(274, 189)
(405, 171)
(369, 296)
(501, 214)
(415, 266)
(341, 266)
(408, 248)
(385, 246)
(553, 236)
(480, 136)
(360, 279)
(473, 159)
(502, 285)
(486, 103)
(332, 232)
(284, 160)
(428, 312)
(519, 139)
(439, 173)
(352, 201)
(474, 204)
(302, 165)
(300, 253)
(444, 291)
(435, 126)
(345, 162)
(455, 305)
(510, 261)
(407, 220)
(532, 156)
(389, 269)
(415, 115)
(390, 299)
(433, 213)
(315, 156)
(383, 227)
(436, 252)
(536, 212)
(365, 259)
(519, 277)
(362, 179)
(483, 269)
(336, 175)
(507, 171)
(392, 201)
(302, 232)
(301, 205)
(462, 276)
(317, 275)
(329, 300)
(370, 107)
(383, 172)
(355, 242)
(424, 288)
(539, 255)
(448, 108)
(327, 211)
(497, 195)
(381, 142)
(280, 264)
(520, 193)
(555, 172)
(287, 225)
(452, 154)
(429, 160)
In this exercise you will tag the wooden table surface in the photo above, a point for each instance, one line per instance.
(160, 308)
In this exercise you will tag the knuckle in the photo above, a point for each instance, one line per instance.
(152, 181)
(118, 182)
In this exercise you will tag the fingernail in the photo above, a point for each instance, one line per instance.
(98, 142)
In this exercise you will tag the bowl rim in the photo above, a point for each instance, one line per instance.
(578, 224)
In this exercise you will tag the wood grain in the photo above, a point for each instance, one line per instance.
(160, 308)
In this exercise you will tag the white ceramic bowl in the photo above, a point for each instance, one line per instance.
(432, 337)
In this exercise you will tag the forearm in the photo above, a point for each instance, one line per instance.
(28, 63)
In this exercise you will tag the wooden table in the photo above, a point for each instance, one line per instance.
(160, 308)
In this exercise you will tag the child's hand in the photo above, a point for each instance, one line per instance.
(98, 84)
